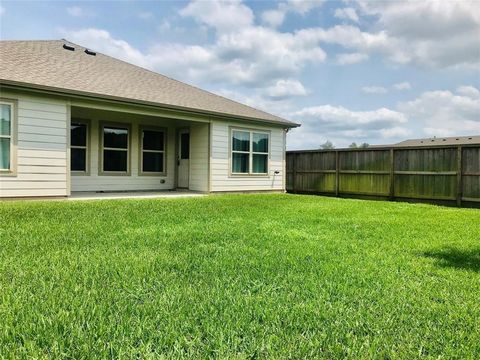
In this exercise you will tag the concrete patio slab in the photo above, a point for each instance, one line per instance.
(133, 195)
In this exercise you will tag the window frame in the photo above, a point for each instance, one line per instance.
(250, 152)
(87, 147)
(141, 150)
(13, 103)
(121, 125)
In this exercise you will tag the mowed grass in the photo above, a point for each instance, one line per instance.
(239, 276)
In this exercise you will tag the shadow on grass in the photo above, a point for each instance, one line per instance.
(460, 259)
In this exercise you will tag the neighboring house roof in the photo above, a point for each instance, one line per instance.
(48, 65)
(454, 140)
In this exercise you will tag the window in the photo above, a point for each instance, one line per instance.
(6, 137)
(152, 151)
(78, 146)
(259, 153)
(249, 152)
(185, 146)
(115, 149)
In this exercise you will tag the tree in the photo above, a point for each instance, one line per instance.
(327, 145)
(361, 146)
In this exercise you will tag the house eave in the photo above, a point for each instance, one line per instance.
(95, 96)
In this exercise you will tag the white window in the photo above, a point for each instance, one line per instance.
(79, 146)
(152, 151)
(115, 149)
(250, 152)
(6, 136)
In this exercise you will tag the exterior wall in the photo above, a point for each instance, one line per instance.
(42, 155)
(43, 150)
(95, 182)
(199, 156)
(220, 177)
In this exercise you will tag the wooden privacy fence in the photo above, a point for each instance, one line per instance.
(447, 173)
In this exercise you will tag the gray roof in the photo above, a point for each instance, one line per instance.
(47, 65)
(438, 141)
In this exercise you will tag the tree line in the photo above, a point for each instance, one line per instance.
(328, 145)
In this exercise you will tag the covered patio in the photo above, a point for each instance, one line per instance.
(125, 152)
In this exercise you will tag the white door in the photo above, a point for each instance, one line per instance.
(183, 158)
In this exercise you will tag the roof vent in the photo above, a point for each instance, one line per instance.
(68, 47)
(90, 52)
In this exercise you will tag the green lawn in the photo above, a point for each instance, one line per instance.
(239, 276)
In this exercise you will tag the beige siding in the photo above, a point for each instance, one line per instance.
(41, 148)
(221, 180)
(199, 157)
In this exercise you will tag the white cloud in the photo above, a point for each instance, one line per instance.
(444, 113)
(351, 58)
(408, 33)
(77, 11)
(402, 86)
(342, 118)
(242, 53)
(469, 91)
(2, 10)
(222, 15)
(283, 89)
(275, 17)
(304, 6)
(429, 33)
(255, 56)
(259, 54)
(347, 14)
(347, 36)
(342, 126)
(374, 90)
(424, 19)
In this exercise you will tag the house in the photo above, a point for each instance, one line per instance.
(73, 120)
(441, 141)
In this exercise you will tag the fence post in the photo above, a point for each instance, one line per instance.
(337, 173)
(459, 176)
(392, 174)
(294, 182)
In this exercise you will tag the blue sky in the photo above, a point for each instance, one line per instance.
(348, 71)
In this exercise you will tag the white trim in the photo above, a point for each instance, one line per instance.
(11, 137)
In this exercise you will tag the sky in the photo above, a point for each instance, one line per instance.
(348, 71)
